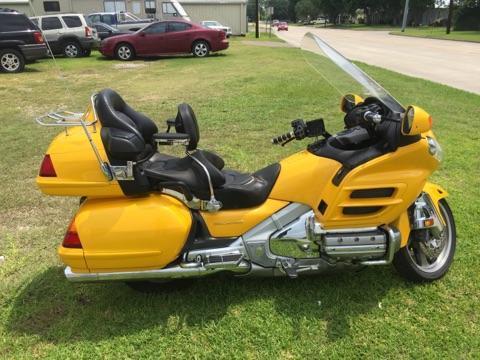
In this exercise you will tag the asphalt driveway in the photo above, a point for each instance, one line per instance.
(454, 63)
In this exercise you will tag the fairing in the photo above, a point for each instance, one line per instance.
(342, 74)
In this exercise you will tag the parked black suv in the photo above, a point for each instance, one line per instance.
(20, 41)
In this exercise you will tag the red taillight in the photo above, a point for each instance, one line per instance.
(37, 36)
(71, 239)
(88, 32)
(47, 169)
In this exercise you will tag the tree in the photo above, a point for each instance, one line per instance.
(306, 9)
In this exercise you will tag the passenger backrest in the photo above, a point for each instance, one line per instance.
(126, 133)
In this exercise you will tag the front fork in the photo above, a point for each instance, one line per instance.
(426, 213)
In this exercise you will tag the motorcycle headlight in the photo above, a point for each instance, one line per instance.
(435, 149)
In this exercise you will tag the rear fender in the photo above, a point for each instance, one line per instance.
(436, 194)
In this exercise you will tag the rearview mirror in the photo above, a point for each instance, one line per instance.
(416, 121)
(349, 101)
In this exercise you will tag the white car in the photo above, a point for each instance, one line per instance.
(216, 25)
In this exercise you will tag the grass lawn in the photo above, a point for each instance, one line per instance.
(241, 98)
(439, 33)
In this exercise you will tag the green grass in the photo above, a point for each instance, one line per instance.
(241, 98)
(439, 33)
(263, 35)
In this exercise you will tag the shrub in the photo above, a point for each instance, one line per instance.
(467, 18)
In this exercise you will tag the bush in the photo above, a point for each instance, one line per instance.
(467, 18)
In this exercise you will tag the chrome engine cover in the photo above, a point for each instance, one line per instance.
(361, 245)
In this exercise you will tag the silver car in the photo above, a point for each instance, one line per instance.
(67, 34)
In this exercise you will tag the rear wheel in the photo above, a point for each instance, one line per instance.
(124, 52)
(200, 48)
(11, 61)
(72, 49)
(427, 258)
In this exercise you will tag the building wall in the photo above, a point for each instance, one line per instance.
(229, 14)
(233, 15)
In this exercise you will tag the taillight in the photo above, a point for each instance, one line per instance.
(88, 32)
(37, 36)
(71, 239)
(47, 169)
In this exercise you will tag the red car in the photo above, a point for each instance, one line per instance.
(165, 37)
(282, 26)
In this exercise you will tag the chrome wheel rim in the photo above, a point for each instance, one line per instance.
(124, 52)
(432, 255)
(201, 49)
(71, 50)
(10, 62)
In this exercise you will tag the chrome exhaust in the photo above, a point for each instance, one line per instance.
(174, 272)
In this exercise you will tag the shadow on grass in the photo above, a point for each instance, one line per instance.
(58, 311)
(163, 57)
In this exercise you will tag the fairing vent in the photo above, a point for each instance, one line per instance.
(361, 210)
(322, 207)
(372, 193)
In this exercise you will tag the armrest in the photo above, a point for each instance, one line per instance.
(171, 138)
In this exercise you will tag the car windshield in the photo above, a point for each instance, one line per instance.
(126, 16)
(342, 74)
(211, 23)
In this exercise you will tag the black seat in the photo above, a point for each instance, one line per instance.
(130, 136)
(126, 133)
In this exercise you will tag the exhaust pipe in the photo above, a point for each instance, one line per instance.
(174, 272)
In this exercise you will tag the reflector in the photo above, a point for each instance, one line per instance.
(47, 169)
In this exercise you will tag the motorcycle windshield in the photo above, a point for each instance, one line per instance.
(342, 74)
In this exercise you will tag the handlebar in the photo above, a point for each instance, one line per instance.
(283, 138)
(301, 130)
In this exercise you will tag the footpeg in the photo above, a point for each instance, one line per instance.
(288, 269)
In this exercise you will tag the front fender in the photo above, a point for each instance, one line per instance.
(436, 193)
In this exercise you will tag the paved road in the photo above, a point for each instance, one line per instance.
(454, 63)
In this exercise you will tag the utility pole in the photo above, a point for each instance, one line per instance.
(257, 35)
(449, 18)
(405, 16)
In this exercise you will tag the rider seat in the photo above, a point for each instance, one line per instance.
(130, 136)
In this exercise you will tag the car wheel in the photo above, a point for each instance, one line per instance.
(125, 52)
(428, 258)
(11, 61)
(87, 52)
(72, 49)
(200, 48)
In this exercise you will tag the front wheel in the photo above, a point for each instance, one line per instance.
(200, 48)
(427, 258)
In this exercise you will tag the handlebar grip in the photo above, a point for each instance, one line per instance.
(282, 138)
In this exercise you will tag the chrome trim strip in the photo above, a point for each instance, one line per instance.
(175, 272)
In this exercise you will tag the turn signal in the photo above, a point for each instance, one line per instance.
(71, 239)
(47, 169)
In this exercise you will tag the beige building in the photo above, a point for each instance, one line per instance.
(232, 13)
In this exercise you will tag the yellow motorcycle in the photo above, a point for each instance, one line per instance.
(360, 197)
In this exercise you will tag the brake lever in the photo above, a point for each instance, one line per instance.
(286, 142)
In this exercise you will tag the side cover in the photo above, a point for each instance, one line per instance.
(131, 233)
